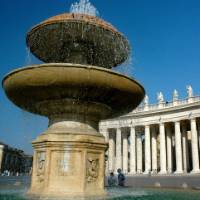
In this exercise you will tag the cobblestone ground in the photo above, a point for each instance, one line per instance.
(185, 182)
(173, 181)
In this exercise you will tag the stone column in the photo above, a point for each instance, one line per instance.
(147, 150)
(162, 149)
(139, 154)
(169, 149)
(111, 152)
(105, 133)
(125, 153)
(195, 152)
(154, 150)
(132, 151)
(178, 147)
(185, 148)
(1, 157)
(198, 132)
(118, 149)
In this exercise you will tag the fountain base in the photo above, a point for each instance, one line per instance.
(68, 165)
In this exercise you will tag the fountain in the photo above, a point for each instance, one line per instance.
(75, 89)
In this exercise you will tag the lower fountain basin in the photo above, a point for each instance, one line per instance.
(72, 88)
(118, 193)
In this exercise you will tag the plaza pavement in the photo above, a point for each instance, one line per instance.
(175, 181)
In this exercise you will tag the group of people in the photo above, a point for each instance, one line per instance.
(119, 180)
(9, 173)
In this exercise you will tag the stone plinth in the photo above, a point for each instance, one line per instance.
(68, 165)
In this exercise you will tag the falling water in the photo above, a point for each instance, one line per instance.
(84, 7)
(127, 67)
(28, 56)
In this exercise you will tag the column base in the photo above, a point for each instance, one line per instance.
(178, 172)
(132, 173)
(147, 172)
(196, 171)
(169, 172)
(162, 173)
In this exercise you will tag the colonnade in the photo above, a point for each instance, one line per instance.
(162, 148)
(14, 160)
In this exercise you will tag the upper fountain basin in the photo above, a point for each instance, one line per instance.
(80, 39)
(54, 88)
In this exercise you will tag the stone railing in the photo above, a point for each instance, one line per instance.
(150, 107)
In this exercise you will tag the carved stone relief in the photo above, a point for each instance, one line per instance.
(40, 166)
(92, 172)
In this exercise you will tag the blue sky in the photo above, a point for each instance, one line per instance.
(164, 35)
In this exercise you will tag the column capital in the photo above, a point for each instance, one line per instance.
(147, 125)
(132, 126)
(1, 146)
(161, 124)
(193, 119)
(177, 121)
(105, 130)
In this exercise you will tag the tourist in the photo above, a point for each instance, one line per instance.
(112, 181)
(121, 178)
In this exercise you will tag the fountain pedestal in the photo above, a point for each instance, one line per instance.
(68, 165)
(69, 155)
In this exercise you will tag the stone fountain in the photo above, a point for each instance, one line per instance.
(75, 89)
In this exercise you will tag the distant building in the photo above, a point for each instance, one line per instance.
(163, 138)
(14, 160)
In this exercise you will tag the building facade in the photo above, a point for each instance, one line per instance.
(156, 139)
(14, 161)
